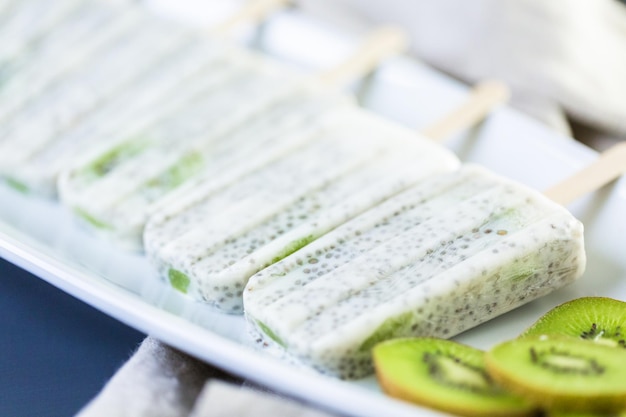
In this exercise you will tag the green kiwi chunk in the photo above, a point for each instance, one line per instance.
(598, 319)
(293, 247)
(188, 166)
(115, 156)
(561, 372)
(92, 220)
(270, 333)
(444, 375)
(17, 185)
(179, 280)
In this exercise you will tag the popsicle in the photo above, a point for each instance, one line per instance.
(442, 257)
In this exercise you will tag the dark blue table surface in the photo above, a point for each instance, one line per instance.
(56, 352)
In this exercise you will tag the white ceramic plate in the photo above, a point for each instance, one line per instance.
(40, 236)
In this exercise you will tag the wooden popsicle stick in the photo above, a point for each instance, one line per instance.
(608, 167)
(252, 12)
(484, 97)
(383, 43)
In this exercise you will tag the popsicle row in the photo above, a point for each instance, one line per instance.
(81, 74)
(330, 228)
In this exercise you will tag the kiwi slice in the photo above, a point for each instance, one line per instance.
(444, 375)
(599, 319)
(561, 373)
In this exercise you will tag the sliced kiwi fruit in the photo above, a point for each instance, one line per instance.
(444, 375)
(598, 319)
(561, 373)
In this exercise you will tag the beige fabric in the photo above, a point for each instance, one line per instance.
(567, 54)
(219, 399)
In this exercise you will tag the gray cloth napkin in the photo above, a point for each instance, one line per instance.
(159, 381)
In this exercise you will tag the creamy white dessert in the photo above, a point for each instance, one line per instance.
(209, 242)
(24, 23)
(435, 260)
(105, 75)
(29, 27)
(58, 58)
(5, 9)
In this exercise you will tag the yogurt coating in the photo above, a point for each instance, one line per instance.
(24, 23)
(24, 43)
(64, 53)
(436, 260)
